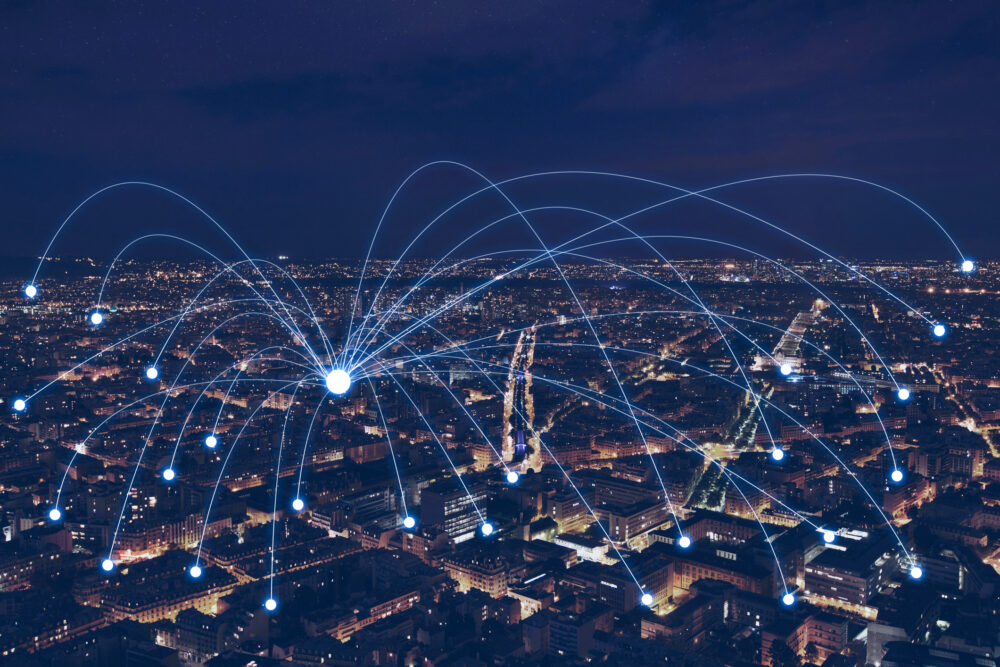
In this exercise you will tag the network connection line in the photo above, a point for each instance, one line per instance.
(400, 343)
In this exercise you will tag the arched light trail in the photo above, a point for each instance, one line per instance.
(227, 266)
(643, 238)
(686, 194)
(154, 186)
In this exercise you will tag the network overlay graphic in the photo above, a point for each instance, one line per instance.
(471, 377)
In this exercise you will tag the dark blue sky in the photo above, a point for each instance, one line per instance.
(295, 121)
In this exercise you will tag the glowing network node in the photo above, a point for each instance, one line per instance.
(270, 604)
(939, 330)
(20, 404)
(903, 393)
(152, 373)
(107, 565)
(512, 477)
(777, 453)
(195, 571)
(968, 266)
(916, 572)
(647, 599)
(409, 522)
(211, 441)
(169, 474)
(55, 514)
(96, 318)
(684, 542)
(298, 504)
(788, 599)
(338, 381)
(896, 476)
(786, 369)
(486, 529)
(30, 291)
(829, 536)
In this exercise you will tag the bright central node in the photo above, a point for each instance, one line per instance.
(939, 330)
(684, 542)
(152, 373)
(211, 441)
(903, 393)
(788, 599)
(647, 599)
(55, 514)
(195, 571)
(512, 477)
(30, 291)
(96, 318)
(19, 404)
(409, 522)
(338, 381)
(786, 369)
(777, 454)
(968, 266)
(897, 475)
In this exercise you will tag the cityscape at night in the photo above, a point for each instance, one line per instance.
(455, 335)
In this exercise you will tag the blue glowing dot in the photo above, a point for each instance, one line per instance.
(169, 474)
(270, 604)
(788, 599)
(903, 393)
(195, 571)
(298, 504)
(486, 529)
(896, 476)
(211, 441)
(684, 542)
(916, 572)
(107, 565)
(30, 291)
(338, 381)
(512, 477)
(96, 318)
(939, 330)
(55, 514)
(152, 373)
(829, 536)
(968, 266)
(777, 453)
(647, 599)
(786, 369)
(409, 522)
(20, 404)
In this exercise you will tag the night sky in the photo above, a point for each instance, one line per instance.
(293, 122)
